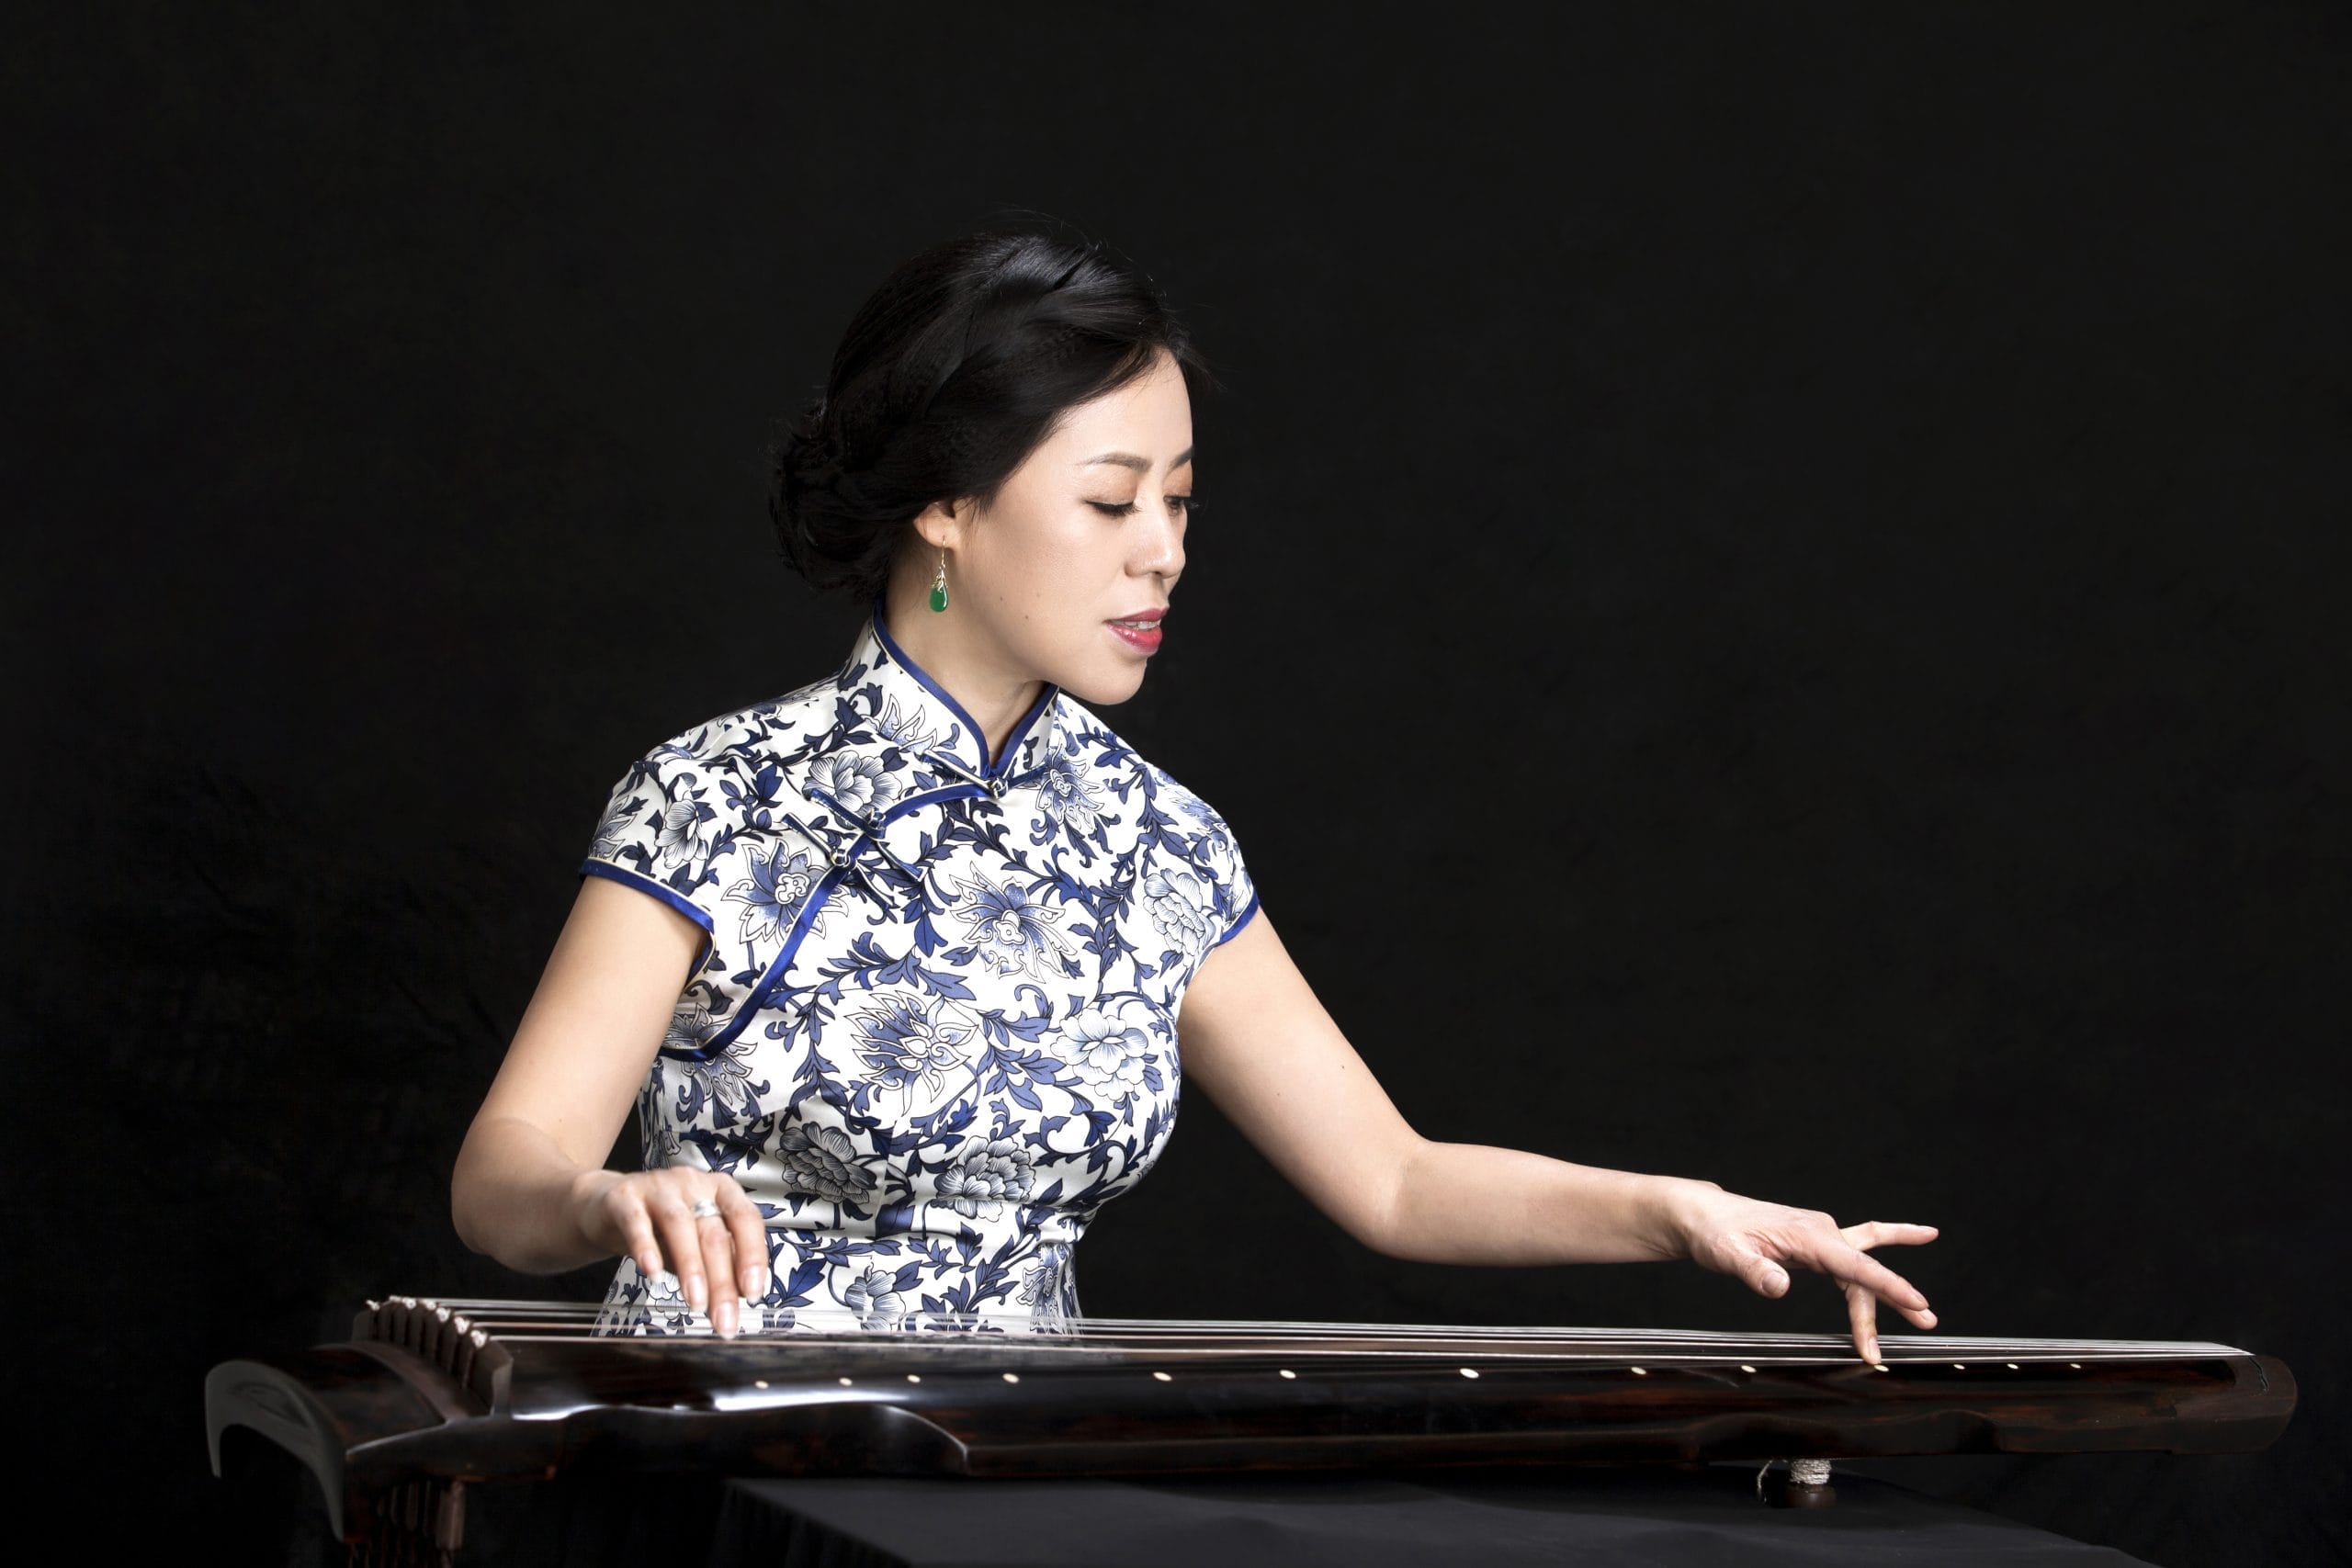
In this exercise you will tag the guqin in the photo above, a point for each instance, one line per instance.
(429, 1394)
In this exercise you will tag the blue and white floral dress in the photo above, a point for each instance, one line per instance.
(934, 1027)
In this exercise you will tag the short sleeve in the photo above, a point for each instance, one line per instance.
(664, 832)
(1213, 859)
(1237, 894)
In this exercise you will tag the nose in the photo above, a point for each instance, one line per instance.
(1160, 546)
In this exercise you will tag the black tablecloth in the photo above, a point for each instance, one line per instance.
(1486, 1519)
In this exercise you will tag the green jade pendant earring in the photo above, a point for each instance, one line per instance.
(939, 584)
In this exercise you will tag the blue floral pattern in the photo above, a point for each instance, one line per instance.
(933, 1028)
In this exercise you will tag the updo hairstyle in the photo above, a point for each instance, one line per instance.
(956, 368)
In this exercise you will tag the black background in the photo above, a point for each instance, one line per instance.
(1766, 608)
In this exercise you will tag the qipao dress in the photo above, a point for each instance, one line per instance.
(933, 1027)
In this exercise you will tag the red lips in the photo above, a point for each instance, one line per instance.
(1142, 633)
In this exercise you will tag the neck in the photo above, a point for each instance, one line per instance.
(950, 652)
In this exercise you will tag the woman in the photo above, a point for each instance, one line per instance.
(896, 966)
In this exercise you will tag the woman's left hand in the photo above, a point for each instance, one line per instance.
(1759, 1243)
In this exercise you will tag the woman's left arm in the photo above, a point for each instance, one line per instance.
(1254, 1035)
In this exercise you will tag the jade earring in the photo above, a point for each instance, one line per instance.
(939, 584)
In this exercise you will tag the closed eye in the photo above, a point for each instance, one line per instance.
(1125, 509)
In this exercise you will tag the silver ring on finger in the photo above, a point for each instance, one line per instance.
(705, 1210)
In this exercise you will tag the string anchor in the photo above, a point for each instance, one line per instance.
(1803, 1484)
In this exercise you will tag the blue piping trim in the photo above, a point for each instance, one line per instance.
(905, 804)
(825, 798)
(861, 832)
(947, 764)
(1239, 922)
(776, 965)
(1020, 731)
(899, 656)
(995, 769)
(591, 866)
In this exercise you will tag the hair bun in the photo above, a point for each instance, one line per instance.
(804, 448)
(803, 503)
(947, 377)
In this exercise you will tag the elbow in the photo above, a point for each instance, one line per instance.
(1387, 1244)
(473, 1214)
(1385, 1220)
(465, 1209)
(502, 1213)
(473, 1204)
(1375, 1224)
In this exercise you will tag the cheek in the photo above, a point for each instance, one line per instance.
(1065, 568)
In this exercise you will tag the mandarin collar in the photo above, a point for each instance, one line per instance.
(889, 701)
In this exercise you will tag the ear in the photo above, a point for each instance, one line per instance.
(941, 524)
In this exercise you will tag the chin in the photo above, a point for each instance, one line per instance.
(1103, 688)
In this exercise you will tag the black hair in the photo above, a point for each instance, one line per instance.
(953, 372)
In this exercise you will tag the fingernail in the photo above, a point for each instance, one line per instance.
(695, 1298)
(751, 1287)
(1930, 1318)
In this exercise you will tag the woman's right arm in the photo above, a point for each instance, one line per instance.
(530, 1187)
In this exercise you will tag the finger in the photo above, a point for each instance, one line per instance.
(1850, 1266)
(638, 1239)
(1886, 1232)
(1861, 1309)
(683, 1246)
(747, 1228)
(1759, 1273)
(1913, 1305)
(719, 1268)
(1860, 1271)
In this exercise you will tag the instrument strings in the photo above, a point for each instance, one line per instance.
(523, 1322)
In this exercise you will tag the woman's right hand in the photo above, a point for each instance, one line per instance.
(649, 1216)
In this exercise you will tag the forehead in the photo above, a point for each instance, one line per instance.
(1150, 417)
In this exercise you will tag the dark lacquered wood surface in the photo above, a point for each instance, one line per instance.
(484, 1390)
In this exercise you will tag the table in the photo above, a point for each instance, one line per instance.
(1489, 1518)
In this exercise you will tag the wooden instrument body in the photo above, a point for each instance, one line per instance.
(431, 1392)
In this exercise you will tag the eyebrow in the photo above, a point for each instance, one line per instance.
(1129, 460)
